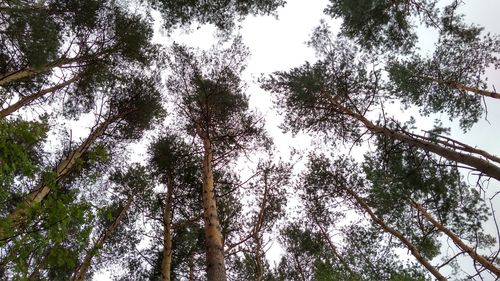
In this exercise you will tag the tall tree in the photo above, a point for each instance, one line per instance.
(332, 180)
(214, 108)
(176, 165)
(390, 195)
(308, 256)
(266, 209)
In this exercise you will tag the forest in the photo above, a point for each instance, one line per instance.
(126, 154)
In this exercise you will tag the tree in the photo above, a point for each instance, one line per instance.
(86, 51)
(309, 257)
(333, 181)
(267, 186)
(133, 106)
(390, 200)
(207, 85)
(133, 182)
(410, 180)
(336, 95)
(176, 166)
(220, 14)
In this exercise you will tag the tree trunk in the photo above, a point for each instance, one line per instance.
(414, 251)
(460, 244)
(17, 218)
(215, 251)
(26, 72)
(191, 267)
(28, 99)
(82, 270)
(257, 237)
(12, 76)
(481, 165)
(167, 232)
(463, 87)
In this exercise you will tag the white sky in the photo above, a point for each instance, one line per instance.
(278, 44)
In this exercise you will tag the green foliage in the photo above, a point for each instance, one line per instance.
(312, 96)
(437, 84)
(399, 174)
(136, 103)
(206, 85)
(133, 37)
(219, 13)
(309, 257)
(36, 36)
(20, 144)
(379, 23)
(49, 248)
(173, 159)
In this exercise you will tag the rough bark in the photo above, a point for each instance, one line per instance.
(17, 218)
(215, 251)
(414, 251)
(82, 270)
(28, 99)
(460, 244)
(167, 232)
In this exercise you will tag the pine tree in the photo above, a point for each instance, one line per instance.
(207, 85)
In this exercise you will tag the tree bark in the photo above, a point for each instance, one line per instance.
(460, 244)
(215, 251)
(17, 218)
(167, 232)
(28, 99)
(414, 251)
(82, 270)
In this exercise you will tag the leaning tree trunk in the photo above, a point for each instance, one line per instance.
(17, 218)
(463, 87)
(29, 71)
(28, 99)
(167, 232)
(452, 153)
(82, 270)
(460, 244)
(215, 251)
(414, 251)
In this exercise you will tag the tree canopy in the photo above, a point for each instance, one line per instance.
(129, 157)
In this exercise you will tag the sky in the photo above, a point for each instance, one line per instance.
(278, 43)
